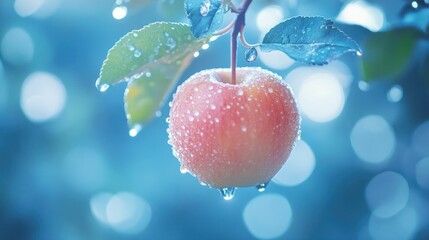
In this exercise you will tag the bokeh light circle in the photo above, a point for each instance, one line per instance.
(17, 46)
(268, 17)
(43, 96)
(420, 141)
(298, 167)
(373, 139)
(321, 97)
(401, 226)
(422, 173)
(362, 13)
(387, 194)
(268, 216)
(128, 213)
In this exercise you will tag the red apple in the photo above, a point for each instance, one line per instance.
(230, 135)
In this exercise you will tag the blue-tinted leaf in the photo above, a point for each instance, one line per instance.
(206, 16)
(312, 40)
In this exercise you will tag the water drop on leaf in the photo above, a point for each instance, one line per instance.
(205, 8)
(101, 87)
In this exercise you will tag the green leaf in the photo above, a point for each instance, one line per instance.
(151, 60)
(387, 54)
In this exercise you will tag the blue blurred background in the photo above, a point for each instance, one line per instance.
(69, 169)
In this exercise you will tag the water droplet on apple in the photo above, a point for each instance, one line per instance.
(183, 170)
(251, 54)
(227, 193)
(270, 90)
(212, 107)
(262, 187)
(240, 92)
(191, 118)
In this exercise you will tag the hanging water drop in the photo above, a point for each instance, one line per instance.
(183, 170)
(205, 8)
(101, 87)
(227, 193)
(262, 187)
(251, 54)
(135, 130)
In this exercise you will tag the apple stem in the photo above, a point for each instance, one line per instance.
(238, 27)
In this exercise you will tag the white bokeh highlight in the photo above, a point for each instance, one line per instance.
(321, 98)
(125, 212)
(395, 94)
(36, 8)
(401, 226)
(299, 166)
(373, 139)
(268, 17)
(17, 46)
(387, 194)
(268, 216)
(362, 13)
(321, 92)
(420, 139)
(422, 173)
(43, 97)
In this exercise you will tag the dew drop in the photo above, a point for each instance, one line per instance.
(196, 113)
(137, 53)
(135, 130)
(227, 193)
(270, 90)
(210, 87)
(212, 107)
(171, 43)
(216, 120)
(196, 54)
(101, 87)
(251, 54)
(131, 47)
(191, 118)
(261, 187)
(359, 53)
(167, 120)
(205, 8)
(243, 128)
(219, 91)
(240, 92)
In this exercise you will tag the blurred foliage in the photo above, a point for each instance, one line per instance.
(387, 54)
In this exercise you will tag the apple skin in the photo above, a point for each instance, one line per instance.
(233, 135)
